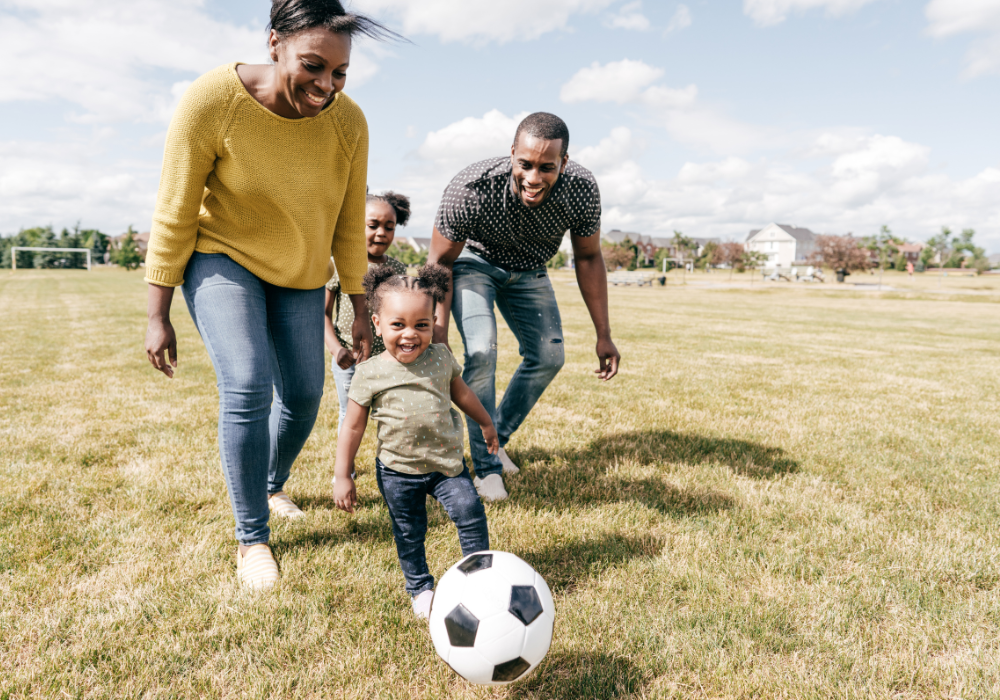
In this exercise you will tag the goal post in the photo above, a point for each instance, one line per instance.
(13, 253)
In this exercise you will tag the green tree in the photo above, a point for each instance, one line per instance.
(558, 261)
(965, 253)
(127, 253)
(710, 255)
(662, 254)
(405, 253)
(939, 246)
(751, 260)
(885, 246)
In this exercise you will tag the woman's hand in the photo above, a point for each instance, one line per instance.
(161, 346)
(361, 333)
(161, 341)
(345, 494)
(344, 358)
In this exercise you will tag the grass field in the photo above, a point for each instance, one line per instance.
(790, 492)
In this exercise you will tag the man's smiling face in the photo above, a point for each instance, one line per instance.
(537, 164)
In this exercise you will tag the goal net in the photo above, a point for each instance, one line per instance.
(14, 249)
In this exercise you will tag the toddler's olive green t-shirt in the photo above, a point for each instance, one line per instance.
(418, 430)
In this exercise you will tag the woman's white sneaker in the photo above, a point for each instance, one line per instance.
(508, 466)
(490, 488)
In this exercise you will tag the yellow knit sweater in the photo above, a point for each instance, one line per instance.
(278, 196)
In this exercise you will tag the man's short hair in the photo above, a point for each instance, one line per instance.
(543, 125)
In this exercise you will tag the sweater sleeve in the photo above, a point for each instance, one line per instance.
(188, 159)
(348, 246)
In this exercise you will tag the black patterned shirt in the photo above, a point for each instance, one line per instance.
(481, 208)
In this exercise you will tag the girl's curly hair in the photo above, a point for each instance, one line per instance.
(400, 204)
(432, 280)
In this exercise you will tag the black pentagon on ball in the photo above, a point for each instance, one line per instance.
(476, 562)
(525, 604)
(510, 670)
(462, 626)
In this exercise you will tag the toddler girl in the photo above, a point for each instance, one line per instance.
(409, 390)
(383, 213)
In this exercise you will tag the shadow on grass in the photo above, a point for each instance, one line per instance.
(581, 675)
(565, 565)
(648, 446)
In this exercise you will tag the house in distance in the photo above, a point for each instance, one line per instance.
(783, 245)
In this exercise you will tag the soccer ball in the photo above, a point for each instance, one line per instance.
(491, 618)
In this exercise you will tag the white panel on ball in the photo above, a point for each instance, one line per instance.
(470, 665)
(500, 638)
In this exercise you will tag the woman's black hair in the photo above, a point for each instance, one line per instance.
(432, 280)
(292, 16)
(400, 204)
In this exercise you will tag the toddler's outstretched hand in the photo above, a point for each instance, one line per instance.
(345, 495)
(490, 435)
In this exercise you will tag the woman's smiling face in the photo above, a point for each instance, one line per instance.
(310, 68)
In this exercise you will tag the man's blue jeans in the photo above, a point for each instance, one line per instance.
(406, 497)
(528, 304)
(266, 344)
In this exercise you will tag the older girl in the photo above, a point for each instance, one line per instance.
(263, 180)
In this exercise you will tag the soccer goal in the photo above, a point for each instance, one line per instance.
(13, 253)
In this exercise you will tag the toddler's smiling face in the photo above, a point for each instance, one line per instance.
(406, 323)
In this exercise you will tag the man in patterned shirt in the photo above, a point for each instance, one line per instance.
(500, 221)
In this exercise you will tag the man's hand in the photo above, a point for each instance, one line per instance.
(609, 358)
(345, 495)
(344, 358)
(161, 345)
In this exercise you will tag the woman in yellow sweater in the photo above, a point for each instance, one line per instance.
(264, 178)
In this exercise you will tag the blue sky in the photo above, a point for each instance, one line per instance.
(707, 117)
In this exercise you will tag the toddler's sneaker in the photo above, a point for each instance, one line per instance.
(422, 604)
(508, 466)
(491, 488)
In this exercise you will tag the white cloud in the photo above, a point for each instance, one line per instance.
(765, 13)
(471, 139)
(110, 58)
(482, 22)
(951, 17)
(42, 183)
(861, 183)
(629, 16)
(680, 20)
(675, 109)
(619, 81)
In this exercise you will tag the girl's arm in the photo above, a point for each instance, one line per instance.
(343, 356)
(470, 404)
(355, 422)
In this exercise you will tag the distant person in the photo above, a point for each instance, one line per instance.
(383, 213)
(264, 178)
(409, 390)
(500, 221)
(909, 268)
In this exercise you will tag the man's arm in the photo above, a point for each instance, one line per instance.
(592, 277)
(444, 253)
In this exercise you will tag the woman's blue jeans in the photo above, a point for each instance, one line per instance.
(266, 344)
(406, 497)
(528, 304)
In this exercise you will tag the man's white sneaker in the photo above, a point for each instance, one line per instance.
(508, 466)
(491, 488)
(422, 604)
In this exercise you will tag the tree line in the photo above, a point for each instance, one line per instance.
(124, 253)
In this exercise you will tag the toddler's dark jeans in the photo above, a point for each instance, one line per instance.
(406, 494)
